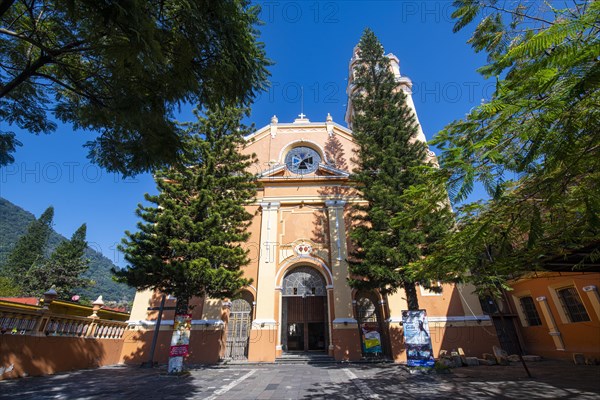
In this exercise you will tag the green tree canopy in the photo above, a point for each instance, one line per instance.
(534, 145)
(63, 270)
(404, 215)
(122, 68)
(29, 250)
(189, 240)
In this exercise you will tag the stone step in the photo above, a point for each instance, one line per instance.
(304, 358)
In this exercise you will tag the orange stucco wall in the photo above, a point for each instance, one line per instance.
(577, 337)
(42, 355)
(473, 339)
(346, 344)
(206, 346)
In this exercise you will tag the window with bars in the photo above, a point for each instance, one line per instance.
(571, 303)
(531, 315)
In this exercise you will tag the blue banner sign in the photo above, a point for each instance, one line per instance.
(419, 352)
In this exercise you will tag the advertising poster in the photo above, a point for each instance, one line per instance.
(371, 338)
(417, 340)
(180, 340)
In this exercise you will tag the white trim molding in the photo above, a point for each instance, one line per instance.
(464, 318)
(147, 323)
(345, 321)
(264, 321)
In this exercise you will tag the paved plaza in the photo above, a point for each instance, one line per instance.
(551, 380)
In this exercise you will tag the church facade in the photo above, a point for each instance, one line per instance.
(299, 300)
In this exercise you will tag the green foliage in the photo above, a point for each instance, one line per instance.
(14, 224)
(189, 241)
(30, 249)
(534, 145)
(63, 270)
(407, 210)
(8, 288)
(122, 68)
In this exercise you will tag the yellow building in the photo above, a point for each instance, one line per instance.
(300, 300)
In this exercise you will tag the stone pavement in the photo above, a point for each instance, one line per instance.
(552, 380)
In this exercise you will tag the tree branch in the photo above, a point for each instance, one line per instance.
(519, 14)
(25, 75)
(36, 65)
(24, 38)
(73, 89)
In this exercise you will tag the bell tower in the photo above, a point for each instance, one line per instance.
(404, 84)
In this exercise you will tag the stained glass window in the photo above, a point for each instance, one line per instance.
(304, 281)
(302, 160)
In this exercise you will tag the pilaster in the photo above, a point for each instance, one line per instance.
(263, 336)
(343, 312)
(345, 335)
(592, 292)
(552, 328)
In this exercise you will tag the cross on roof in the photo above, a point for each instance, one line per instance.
(302, 115)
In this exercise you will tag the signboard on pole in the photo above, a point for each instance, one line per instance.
(419, 352)
(180, 341)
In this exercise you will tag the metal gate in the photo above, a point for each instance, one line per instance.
(238, 330)
(507, 334)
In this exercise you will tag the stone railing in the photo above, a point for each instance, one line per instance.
(43, 320)
(45, 337)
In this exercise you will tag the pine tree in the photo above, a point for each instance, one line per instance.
(189, 241)
(30, 249)
(396, 228)
(63, 270)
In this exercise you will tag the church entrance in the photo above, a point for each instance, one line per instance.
(304, 311)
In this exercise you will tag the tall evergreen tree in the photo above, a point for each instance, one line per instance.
(30, 249)
(189, 241)
(396, 228)
(63, 269)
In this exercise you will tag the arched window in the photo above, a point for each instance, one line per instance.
(304, 281)
(365, 310)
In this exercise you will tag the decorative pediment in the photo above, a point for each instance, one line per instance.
(323, 170)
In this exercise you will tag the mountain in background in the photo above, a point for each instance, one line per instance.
(13, 224)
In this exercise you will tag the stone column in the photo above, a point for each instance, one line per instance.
(263, 335)
(552, 328)
(592, 292)
(346, 340)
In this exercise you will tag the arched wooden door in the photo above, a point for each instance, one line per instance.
(238, 330)
(304, 311)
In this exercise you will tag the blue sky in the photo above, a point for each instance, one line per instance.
(311, 44)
